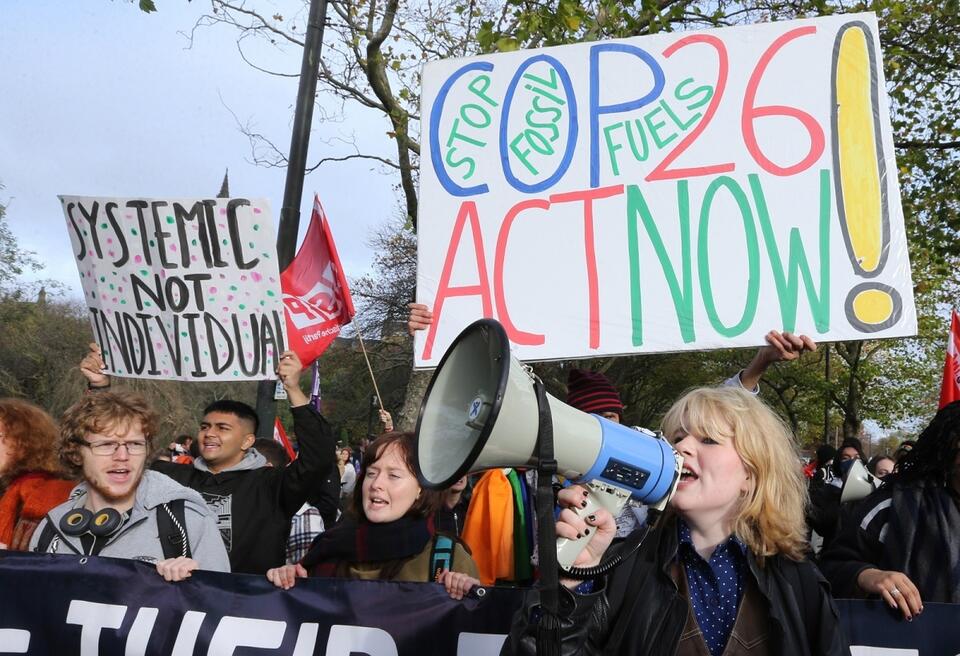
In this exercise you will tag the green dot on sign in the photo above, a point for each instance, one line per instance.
(211, 299)
(225, 242)
(103, 279)
(250, 243)
(123, 302)
(152, 243)
(112, 286)
(103, 226)
(84, 233)
(243, 307)
(256, 226)
(236, 373)
(269, 293)
(147, 304)
(263, 302)
(169, 219)
(133, 231)
(183, 334)
(193, 242)
(144, 273)
(233, 288)
(186, 358)
(267, 255)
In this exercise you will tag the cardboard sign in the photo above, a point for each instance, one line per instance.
(673, 192)
(184, 289)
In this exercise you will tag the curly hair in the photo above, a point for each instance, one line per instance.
(770, 518)
(426, 504)
(31, 435)
(934, 456)
(100, 412)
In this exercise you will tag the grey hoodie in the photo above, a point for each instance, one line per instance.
(252, 459)
(138, 537)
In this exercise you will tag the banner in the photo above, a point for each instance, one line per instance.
(678, 191)
(181, 289)
(280, 436)
(103, 606)
(316, 296)
(950, 389)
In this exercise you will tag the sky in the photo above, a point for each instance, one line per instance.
(101, 99)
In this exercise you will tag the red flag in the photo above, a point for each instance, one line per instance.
(280, 435)
(950, 391)
(316, 297)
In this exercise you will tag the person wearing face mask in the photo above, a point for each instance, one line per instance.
(722, 571)
(30, 474)
(391, 532)
(120, 508)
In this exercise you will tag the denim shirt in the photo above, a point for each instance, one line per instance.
(716, 586)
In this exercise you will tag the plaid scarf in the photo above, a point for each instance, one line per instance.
(351, 542)
(924, 533)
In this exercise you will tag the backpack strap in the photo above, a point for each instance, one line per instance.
(172, 525)
(46, 536)
(441, 555)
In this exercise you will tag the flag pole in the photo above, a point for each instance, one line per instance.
(296, 170)
(369, 368)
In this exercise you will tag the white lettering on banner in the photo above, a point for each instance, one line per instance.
(15, 641)
(883, 651)
(306, 639)
(187, 635)
(233, 632)
(93, 617)
(345, 640)
(480, 644)
(140, 632)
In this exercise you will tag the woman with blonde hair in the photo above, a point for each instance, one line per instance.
(723, 571)
(31, 479)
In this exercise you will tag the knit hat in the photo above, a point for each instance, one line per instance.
(589, 391)
(825, 453)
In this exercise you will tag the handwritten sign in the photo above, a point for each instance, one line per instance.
(672, 192)
(184, 289)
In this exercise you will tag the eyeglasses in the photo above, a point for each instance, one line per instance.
(134, 447)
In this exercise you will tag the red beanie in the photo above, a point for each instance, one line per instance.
(589, 391)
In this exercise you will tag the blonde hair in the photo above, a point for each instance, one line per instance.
(771, 517)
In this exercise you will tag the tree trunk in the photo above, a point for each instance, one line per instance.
(416, 388)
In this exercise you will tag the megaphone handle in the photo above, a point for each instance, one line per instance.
(599, 495)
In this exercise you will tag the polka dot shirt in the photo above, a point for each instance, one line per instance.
(716, 586)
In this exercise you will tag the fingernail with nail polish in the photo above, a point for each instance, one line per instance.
(586, 531)
(592, 518)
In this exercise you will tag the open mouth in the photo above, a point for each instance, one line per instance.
(377, 502)
(118, 475)
(687, 475)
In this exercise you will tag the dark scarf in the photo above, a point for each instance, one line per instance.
(923, 538)
(351, 542)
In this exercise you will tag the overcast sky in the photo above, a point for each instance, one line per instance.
(100, 99)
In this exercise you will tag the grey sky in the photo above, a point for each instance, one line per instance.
(101, 99)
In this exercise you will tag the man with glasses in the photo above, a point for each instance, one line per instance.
(119, 508)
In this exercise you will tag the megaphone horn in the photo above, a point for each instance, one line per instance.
(480, 412)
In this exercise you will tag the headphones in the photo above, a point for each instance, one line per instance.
(100, 524)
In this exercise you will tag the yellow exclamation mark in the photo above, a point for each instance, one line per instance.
(859, 173)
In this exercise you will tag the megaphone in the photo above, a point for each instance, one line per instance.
(481, 412)
(858, 483)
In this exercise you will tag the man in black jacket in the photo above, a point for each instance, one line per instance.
(253, 503)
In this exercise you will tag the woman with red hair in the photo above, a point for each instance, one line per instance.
(30, 474)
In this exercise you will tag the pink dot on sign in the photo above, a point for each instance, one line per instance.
(110, 240)
(173, 247)
(89, 253)
(271, 279)
(129, 216)
(166, 372)
(110, 253)
(137, 259)
(225, 308)
(193, 258)
(223, 210)
(213, 290)
(103, 296)
(256, 276)
(243, 278)
(163, 273)
(159, 346)
(222, 225)
(223, 355)
(230, 297)
(249, 356)
(124, 280)
(114, 299)
(245, 324)
(119, 289)
(256, 210)
(223, 276)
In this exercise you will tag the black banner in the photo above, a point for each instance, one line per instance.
(90, 606)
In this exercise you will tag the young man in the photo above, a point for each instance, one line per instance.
(253, 503)
(120, 509)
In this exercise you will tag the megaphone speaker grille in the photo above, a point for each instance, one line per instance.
(461, 403)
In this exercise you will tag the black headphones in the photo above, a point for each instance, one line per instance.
(79, 521)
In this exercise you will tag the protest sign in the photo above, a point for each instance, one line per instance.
(184, 289)
(670, 192)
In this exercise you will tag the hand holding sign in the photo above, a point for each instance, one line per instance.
(92, 367)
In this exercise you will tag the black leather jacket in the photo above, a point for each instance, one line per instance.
(638, 610)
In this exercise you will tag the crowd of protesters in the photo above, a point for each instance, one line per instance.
(730, 559)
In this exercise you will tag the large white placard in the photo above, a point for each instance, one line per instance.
(184, 289)
(671, 192)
